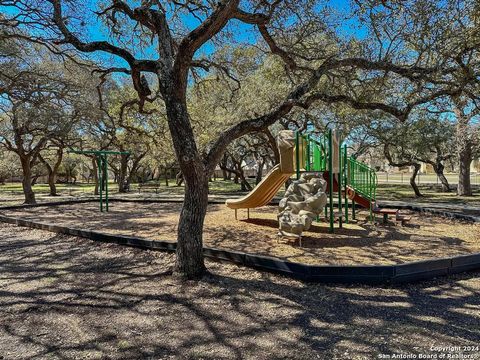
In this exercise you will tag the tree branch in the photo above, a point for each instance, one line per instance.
(200, 35)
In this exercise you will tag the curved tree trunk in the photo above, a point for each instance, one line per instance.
(273, 145)
(259, 175)
(179, 178)
(95, 175)
(239, 177)
(53, 171)
(166, 172)
(413, 177)
(35, 179)
(189, 254)
(189, 261)
(133, 171)
(122, 174)
(465, 159)
(223, 166)
(52, 179)
(464, 146)
(439, 168)
(27, 181)
(244, 184)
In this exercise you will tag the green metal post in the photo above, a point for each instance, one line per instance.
(297, 154)
(330, 175)
(325, 162)
(105, 170)
(370, 182)
(353, 182)
(340, 185)
(317, 157)
(307, 163)
(103, 182)
(101, 157)
(100, 181)
(325, 155)
(346, 173)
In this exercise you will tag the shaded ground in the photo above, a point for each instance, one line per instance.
(431, 194)
(69, 298)
(359, 243)
(12, 193)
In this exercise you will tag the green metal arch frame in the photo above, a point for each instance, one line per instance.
(102, 166)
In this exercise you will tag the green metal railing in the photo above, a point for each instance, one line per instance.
(102, 163)
(311, 154)
(362, 179)
(314, 154)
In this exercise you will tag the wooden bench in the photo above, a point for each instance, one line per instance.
(385, 212)
(146, 186)
(399, 218)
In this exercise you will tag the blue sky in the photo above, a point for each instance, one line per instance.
(94, 30)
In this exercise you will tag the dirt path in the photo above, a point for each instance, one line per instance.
(69, 298)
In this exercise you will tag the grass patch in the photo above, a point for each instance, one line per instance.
(401, 192)
(16, 188)
(218, 187)
(431, 193)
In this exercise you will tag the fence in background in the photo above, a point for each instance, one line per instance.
(426, 179)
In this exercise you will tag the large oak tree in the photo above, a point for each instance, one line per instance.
(424, 46)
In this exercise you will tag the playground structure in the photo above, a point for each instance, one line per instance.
(351, 180)
(361, 252)
(101, 157)
(302, 203)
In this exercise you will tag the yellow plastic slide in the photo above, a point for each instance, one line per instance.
(269, 186)
(263, 192)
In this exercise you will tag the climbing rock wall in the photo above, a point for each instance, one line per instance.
(304, 200)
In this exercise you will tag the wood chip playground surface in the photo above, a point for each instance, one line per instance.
(359, 242)
(65, 297)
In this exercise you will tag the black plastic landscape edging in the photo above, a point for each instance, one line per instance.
(360, 274)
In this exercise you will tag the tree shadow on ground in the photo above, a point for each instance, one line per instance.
(359, 242)
(64, 297)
